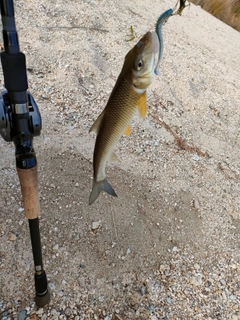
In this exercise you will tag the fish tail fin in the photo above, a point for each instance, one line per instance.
(99, 186)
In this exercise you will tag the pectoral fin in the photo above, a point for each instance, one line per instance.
(96, 125)
(127, 131)
(142, 105)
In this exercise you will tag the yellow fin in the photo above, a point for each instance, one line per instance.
(127, 131)
(142, 105)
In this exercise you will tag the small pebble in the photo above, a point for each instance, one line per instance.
(128, 250)
(196, 203)
(40, 310)
(22, 315)
(169, 300)
(196, 266)
(51, 286)
(56, 247)
(143, 290)
(12, 237)
(196, 280)
(223, 282)
(196, 157)
(95, 225)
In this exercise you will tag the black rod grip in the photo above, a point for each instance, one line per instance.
(14, 70)
(36, 242)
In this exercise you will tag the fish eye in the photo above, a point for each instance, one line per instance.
(139, 65)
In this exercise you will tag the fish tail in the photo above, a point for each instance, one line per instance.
(99, 186)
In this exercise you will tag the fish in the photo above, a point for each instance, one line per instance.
(163, 18)
(128, 94)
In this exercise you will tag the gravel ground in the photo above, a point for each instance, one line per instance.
(168, 246)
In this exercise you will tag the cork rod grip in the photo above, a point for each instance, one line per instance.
(29, 187)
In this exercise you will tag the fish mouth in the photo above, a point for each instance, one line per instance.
(143, 83)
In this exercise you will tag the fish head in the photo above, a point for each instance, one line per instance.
(139, 62)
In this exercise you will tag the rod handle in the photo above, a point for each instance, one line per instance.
(29, 187)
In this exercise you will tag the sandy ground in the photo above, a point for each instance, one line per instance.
(168, 246)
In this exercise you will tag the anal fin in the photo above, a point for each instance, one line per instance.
(113, 158)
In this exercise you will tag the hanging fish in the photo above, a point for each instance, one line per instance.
(129, 93)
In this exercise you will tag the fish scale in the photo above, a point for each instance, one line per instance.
(123, 105)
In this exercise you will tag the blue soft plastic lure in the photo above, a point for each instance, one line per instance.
(160, 22)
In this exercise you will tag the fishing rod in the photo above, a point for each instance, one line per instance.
(20, 121)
